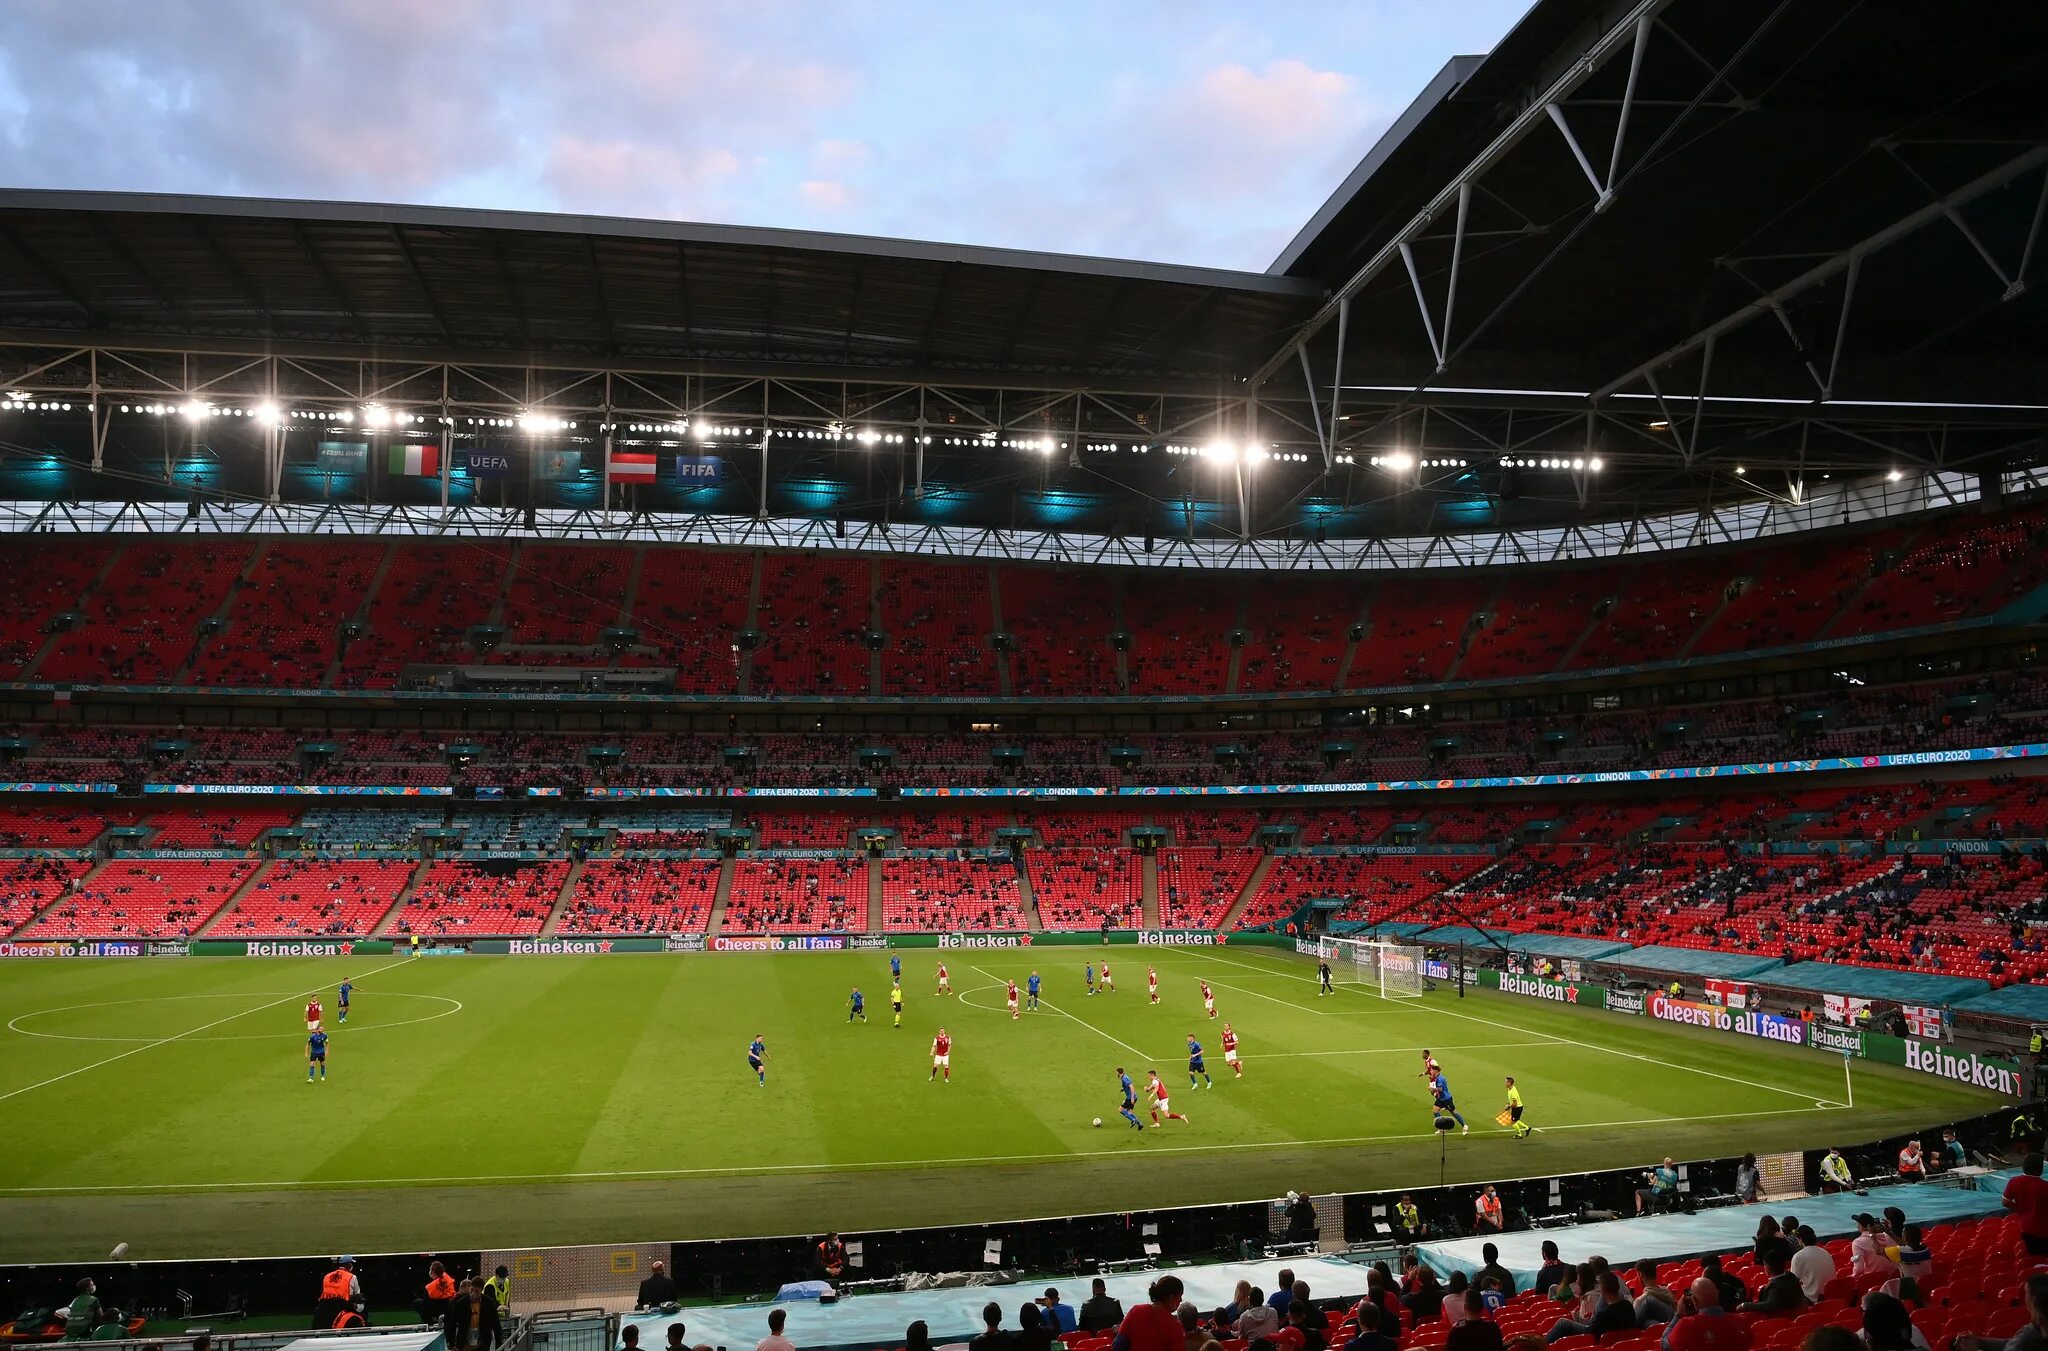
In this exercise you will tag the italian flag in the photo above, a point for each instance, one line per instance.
(416, 460)
(632, 467)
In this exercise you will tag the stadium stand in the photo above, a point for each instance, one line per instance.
(641, 895)
(937, 617)
(316, 897)
(1078, 888)
(812, 616)
(797, 895)
(949, 895)
(1199, 883)
(497, 898)
(144, 898)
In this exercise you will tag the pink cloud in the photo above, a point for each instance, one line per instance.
(826, 193)
(632, 176)
(1289, 102)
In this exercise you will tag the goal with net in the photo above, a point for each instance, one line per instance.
(1392, 969)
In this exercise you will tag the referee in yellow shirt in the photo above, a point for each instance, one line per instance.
(896, 1000)
(1521, 1127)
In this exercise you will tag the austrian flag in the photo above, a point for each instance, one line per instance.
(420, 461)
(632, 467)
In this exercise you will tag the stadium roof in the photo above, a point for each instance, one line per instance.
(1722, 247)
(408, 279)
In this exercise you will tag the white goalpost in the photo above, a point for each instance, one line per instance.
(1393, 969)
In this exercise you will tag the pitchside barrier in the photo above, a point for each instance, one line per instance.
(606, 1276)
(1996, 1074)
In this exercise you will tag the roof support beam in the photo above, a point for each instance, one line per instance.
(1813, 276)
(1596, 56)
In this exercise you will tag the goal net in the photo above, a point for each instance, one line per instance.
(1393, 969)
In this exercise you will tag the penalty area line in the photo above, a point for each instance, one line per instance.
(1583, 1045)
(886, 1165)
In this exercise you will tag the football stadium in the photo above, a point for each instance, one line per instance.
(623, 782)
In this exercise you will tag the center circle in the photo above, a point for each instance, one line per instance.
(453, 1006)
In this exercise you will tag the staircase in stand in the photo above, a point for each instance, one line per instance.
(563, 897)
(719, 897)
(261, 871)
(383, 927)
(1244, 898)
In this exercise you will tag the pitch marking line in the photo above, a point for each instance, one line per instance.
(892, 1165)
(1562, 1041)
(14, 1024)
(189, 1032)
(1043, 1002)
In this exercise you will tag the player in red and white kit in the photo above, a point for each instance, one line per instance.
(312, 1015)
(1108, 984)
(1160, 1106)
(945, 981)
(1208, 999)
(1013, 999)
(1230, 1051)
(1152, 983)
(942, 1055)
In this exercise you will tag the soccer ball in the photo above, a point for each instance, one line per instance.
(1098, 1121)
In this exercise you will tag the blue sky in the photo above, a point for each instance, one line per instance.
(1186, 132)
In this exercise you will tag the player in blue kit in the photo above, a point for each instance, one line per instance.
(1445, 1105)
(1091, 978)
(1195, 1065)
(1031, 992)
(1129, 1111)
(895, 969)
(316, 1055)
(757, 1059)
(856, 1007)
(346, 990)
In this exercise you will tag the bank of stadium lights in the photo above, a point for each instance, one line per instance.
(22, 403)
(1577, 463)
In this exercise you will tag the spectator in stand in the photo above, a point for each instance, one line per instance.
(1381, 1294)
(1194, 1337)
(1587, 1305)
(1492, 1270)
(658, 1289)
(1259, 1318)
(1767, 1233)
(1617, 1311)
(1866, 1252)
(1032, 1333)
(1454, 1310)
(1369, 1337)
(1426, 1300)
(917, 1337)
(2032, 1337)
(1703, 1325)
(1062, 1318)
(1733, 1291)
(775, 1341)
(1656, 1303)
(1828, 1337)
(1475, 1332)
(991, 1338)
(1283, 1292)
(1782, 1293)
(1302, 1318)
(2026, 1196)
(1888, 1327)
(1813, 1264)
(1552, 1271)
(1916, 1262)
(1155, 1324)
(1099, 1312)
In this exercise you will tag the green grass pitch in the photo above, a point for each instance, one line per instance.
(507, 1101)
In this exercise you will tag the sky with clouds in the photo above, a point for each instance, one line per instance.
(1184, 132)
